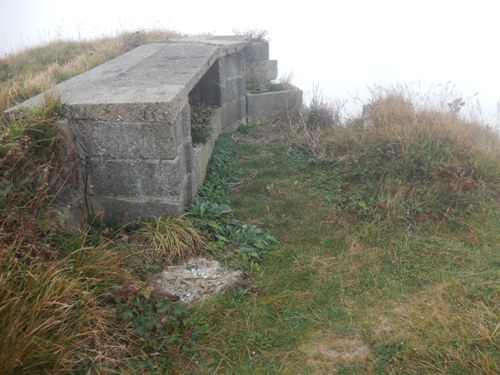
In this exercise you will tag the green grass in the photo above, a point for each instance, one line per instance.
(363, 281)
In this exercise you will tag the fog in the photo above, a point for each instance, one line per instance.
(343, 48)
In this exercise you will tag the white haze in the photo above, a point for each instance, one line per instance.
(343, 47)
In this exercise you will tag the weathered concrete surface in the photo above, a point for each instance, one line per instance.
(145, 84)
(197, 279)
(261, 71)
(269, 106)
(257, 51)
(233, 89)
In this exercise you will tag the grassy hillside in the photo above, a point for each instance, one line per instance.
(386, 260)
(389, 245)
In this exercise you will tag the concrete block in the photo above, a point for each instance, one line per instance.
(186, 153)
(262, 71)
(256, 51)
(233, 89)
(231, 65)
(121, 209)
(127, 140)
(233, 113)
(125, 112)
(272, 105)
(129, 178)
(189, 190)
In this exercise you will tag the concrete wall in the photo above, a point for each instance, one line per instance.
(136, 169)
(268, 106)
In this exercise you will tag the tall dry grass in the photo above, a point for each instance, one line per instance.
(413, 155)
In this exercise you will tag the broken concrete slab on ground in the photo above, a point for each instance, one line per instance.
(131, 119)
(196, 279)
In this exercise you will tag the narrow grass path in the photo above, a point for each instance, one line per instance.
(341, 294)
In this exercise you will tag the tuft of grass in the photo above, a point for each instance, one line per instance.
(171, 238)
(322, 114)
(282, 84)
(53, 316)
(37, 161)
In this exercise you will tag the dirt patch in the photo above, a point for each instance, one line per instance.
(327, 354)
(197, 279)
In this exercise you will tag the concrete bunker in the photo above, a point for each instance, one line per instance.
(131, 120)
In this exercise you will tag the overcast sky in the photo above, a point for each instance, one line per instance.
(343, 46)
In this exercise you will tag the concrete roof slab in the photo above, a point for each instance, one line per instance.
(161, 73)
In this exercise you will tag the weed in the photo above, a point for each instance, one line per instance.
(150, 314)
(321, 113)
(200, 134)
(247, 129)
(255, 35)
(201, 114)
(227, 232)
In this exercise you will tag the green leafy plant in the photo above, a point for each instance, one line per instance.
(214, 217)
(220, 171)
(226, 232)
(200, 134)
(151, 314)
(200, 123)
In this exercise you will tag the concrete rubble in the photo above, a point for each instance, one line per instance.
(196, 279)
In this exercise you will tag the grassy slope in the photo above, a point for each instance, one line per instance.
(353, 293)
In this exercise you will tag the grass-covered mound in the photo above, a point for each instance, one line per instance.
(411, 162)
